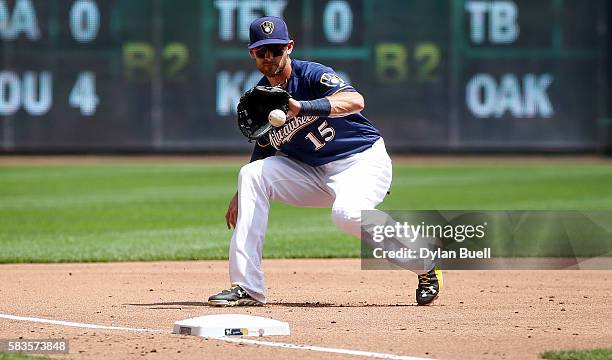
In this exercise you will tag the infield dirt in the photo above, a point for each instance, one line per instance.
(331, 303)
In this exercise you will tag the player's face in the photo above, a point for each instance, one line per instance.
(271, 60)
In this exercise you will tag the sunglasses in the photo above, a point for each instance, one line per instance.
(275, 50)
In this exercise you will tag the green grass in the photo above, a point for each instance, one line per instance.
(596, 354)
(177, 211)
(21, 357)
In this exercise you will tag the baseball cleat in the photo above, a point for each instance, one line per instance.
(234, 296)
(430, 285)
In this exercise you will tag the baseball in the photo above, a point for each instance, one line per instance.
(277, 117)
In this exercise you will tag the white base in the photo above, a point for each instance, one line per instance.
(230, 324)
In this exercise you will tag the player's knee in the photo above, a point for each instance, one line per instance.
(250, 170)
(348, 220)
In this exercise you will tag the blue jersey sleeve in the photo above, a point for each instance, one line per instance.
(326, 82)
(263, 82)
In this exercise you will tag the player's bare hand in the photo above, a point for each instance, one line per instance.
(294, 109)
(231, 216)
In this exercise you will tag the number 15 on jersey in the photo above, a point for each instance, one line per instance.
(326, 134)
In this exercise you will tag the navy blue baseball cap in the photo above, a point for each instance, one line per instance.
(268, 30)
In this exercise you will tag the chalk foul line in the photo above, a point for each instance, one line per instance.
(274, 344)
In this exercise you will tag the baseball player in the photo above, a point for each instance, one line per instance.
(327, 154)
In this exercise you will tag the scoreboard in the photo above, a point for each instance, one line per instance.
(161, 75)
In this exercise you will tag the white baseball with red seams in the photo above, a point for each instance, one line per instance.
(277, 117)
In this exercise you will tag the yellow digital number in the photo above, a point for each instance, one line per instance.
(427, 56)
(392, 62)
(177, 54)
(139, 61)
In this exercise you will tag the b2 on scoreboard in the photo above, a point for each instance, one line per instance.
(396, 64)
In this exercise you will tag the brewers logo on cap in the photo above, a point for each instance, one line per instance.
(267, 27)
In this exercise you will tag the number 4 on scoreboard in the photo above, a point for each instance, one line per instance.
(83, 94)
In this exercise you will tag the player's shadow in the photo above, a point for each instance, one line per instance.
(332, 305)
(175, 304)
(160, 305)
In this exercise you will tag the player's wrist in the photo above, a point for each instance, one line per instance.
(318, 107)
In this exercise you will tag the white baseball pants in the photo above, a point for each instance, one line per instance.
(358, 182)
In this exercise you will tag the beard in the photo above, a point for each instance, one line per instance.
(272, 69)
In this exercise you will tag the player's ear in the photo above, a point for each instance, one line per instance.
(290, 47)
(251, 54)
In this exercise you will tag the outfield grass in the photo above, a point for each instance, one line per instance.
(4, 356)
(596, 354)
(175, 212)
